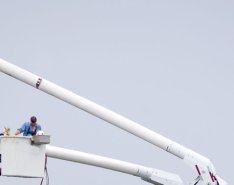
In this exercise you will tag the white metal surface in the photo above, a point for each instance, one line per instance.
(148, 174)
(199, 163)
(20, 158)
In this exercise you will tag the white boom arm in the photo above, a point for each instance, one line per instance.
(202, 165)
(151, 175)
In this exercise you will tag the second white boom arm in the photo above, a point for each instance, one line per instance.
(200, 164)
(150, 175)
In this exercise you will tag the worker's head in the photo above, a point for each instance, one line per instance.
(33, 120)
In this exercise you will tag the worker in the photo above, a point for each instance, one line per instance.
(29, 128)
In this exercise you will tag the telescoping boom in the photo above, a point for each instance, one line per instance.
(153, 176)
(200, 164)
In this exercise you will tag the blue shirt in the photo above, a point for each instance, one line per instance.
(27, 129)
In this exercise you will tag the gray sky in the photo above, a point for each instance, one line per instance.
(165, 64)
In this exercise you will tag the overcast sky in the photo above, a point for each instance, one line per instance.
(168, 65)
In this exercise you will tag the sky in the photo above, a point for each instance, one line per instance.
(168, 65)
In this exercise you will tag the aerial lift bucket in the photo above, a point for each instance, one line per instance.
(23, 156)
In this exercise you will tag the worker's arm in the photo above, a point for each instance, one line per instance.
(17, 132)
(21, 129)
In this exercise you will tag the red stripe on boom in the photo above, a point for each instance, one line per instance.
(198, 171)
(212, 176)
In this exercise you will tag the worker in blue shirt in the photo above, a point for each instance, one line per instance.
(29, 128)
